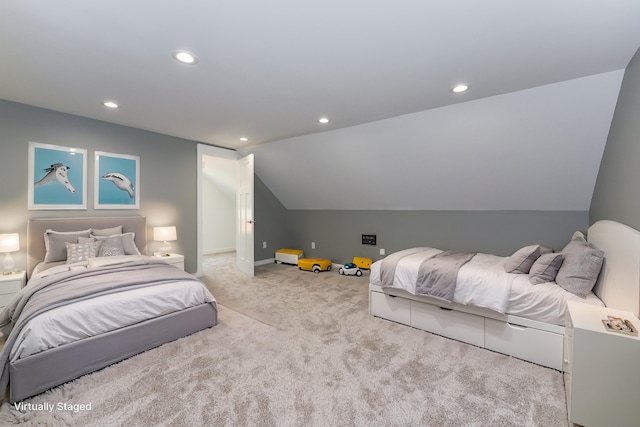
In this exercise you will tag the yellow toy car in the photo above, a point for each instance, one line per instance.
(314, 264)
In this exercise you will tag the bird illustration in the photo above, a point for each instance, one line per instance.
(120, 181)
(56, 172)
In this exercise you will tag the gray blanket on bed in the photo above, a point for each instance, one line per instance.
(437, 275)
(57, 290)
(389, 264)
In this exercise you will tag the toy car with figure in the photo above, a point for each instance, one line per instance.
(314, 264)
(350, 269)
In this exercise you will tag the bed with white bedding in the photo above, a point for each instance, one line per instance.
(500, 310)
(79, 315)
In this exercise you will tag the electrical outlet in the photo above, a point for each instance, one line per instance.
(382, 252)
(313, 245)
(264, 245)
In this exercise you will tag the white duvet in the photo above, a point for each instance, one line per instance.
(106, 313)
(483, 282)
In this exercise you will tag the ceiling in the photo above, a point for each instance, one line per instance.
(268, 70)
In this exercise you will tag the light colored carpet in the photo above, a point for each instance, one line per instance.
(295, 348)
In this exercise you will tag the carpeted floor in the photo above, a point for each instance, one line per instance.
(295, 348)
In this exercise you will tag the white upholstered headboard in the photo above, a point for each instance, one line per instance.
(619, 281)
(36, 228)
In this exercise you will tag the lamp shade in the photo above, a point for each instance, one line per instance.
(165, 234)
(9, 242)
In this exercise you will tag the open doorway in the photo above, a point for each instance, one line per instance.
(219, 184)
(224, 223)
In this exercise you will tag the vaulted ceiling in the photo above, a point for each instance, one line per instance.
(540, 72)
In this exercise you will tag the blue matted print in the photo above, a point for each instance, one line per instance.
(57, 177)
(117, 184)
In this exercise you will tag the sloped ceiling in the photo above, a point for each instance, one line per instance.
(537, 149)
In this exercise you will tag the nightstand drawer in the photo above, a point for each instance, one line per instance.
(10, 284)
(10, 287)
(176, 260)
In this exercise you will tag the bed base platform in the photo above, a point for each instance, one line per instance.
(526, 339)
(42, 371)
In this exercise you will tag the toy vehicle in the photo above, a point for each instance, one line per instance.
(361, 262)
(288, 256)
(314, 264)
(350, 269)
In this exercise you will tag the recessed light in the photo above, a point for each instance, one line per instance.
(323, 120)
(110, 104)
(244, 139)
(184, 57)
(460, 88)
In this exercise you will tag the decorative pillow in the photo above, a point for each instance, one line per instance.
(522, 260)
(54, 243)
(107, 231)
(545, 268)
(86, 239)
(580, 268)
(77, 252)
(111, 246)
(128, 242)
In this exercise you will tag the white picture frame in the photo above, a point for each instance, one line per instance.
(57, 177)
(117, 181)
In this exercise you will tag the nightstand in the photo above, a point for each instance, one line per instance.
(10, 284)
(176, 260)
(601, 371)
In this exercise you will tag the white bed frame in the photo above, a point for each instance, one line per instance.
(618, 286)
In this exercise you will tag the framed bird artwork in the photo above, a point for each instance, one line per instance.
(57, 177)
(117, 181)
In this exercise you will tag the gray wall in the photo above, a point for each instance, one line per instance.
(271, 222)
(616, 192)
(337, 234)
(167, 172)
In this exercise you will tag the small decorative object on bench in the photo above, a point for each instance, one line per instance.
(622, 326)
(288, 256)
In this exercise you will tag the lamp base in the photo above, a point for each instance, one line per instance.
(8, 264)
(165, 250)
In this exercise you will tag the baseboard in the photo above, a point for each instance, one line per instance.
(217, 251)
(264, 261)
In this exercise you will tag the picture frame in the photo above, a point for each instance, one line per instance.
(57, 177)
(117, 181)
(619, 325)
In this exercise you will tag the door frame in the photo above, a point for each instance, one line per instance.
(245, 254)
(211, 151)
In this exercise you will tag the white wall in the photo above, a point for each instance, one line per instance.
(218, 205)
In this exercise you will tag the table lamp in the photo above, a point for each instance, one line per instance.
(165, 234)
(9, 243)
